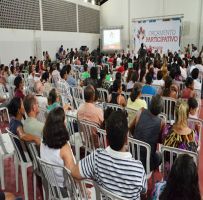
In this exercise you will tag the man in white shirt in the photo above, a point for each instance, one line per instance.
(118, 60)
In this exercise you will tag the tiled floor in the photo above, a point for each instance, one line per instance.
(10, 177)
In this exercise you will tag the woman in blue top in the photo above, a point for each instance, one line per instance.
(148, 89)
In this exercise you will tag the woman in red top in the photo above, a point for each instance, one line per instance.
(18, 82)
(188, 92)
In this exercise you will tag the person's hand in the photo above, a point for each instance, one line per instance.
(38, 141)
(67, 107)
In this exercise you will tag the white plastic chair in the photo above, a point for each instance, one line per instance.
(198, 93)
(34, 153)
(147, 98)
(77, 92)
(102, 193)
(103, 94)
(163, 117)
(73, 190)
(42, 114)
(88, 131)
(173, 153)
(75, 138)
(133, 143)
(193, 123)
(115, 107)
(24, 164)
(169, 109)
(4, 153)
(78, 102)
(102, 138)
(131, 114)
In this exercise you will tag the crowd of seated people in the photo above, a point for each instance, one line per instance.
(148, 73)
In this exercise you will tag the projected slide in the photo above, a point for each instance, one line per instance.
(112, 39)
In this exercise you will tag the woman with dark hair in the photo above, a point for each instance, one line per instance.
(17, 112)
(170, 89)
(134, 101)
(188, 92)
(182, 183)
(92, 80)
(116, 96)
(103, 83)
(19, 87)
(133, 79)
(55, 147)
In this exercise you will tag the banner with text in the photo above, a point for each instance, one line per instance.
(157, 35)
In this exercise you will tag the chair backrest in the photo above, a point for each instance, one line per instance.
(3, 92)
(147, 98)
(103, 94)
(126, 95)
(78, 102)
(172, 153)
(115, 107)
(196, 124)
(102, 138)
(102, 193)
(18, 144)
(169, 109)
(66, 99)
(34, 153)
(42, 114)
(70, 190)
(135, 148)
(77, 92)
(71, 125)
(88, 133)
(198, 93)
(55, 79)
(131, 114)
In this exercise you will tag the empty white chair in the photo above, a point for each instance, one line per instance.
(77, 92)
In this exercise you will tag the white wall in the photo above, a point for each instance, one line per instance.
(122, 12)
(21, 44)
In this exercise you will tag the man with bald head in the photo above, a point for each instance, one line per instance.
(39, 89)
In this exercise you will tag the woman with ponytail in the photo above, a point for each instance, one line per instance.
(134, 101)
(180, 135)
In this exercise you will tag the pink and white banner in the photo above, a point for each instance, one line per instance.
(157, 34)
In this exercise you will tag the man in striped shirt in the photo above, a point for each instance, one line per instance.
(114, 168)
